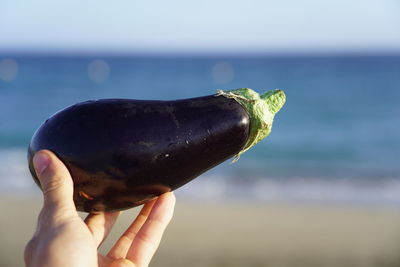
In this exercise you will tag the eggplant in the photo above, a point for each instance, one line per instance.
(123, 152)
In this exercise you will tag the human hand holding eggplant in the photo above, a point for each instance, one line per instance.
(62, 238)
(121, 153)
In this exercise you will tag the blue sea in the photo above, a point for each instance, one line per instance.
(337, 139)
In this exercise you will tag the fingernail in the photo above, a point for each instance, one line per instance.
(127, 263)
(41, 161)
(122, 263)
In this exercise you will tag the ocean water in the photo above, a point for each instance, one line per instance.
(336, 139)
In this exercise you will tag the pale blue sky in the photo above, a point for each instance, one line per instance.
(200, 26)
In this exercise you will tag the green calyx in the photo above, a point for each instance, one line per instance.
(261, 110)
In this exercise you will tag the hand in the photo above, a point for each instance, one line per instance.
(62, 238)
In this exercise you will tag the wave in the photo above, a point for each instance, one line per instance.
(295, 189)
(222, 185)
(14, 174)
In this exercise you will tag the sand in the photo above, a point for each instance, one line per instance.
(243, 234)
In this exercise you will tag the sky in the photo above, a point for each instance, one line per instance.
(180, 26)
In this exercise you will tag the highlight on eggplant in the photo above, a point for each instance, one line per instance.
(124, 152)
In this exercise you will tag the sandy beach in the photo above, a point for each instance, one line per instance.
(243, 234)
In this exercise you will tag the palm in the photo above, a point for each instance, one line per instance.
(62, 238)
(79, 240)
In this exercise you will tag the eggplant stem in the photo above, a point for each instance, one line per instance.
(261, 110)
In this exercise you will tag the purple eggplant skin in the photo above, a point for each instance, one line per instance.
(122, 153)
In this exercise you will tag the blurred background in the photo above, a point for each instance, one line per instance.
(322, 190)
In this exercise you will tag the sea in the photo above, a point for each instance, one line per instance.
(336, 140)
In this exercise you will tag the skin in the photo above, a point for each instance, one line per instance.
(62, 238)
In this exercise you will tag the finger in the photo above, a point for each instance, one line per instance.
(149, 236)
(100, 224)
(56, 184)
(105, 261)
(122, 263)
(121, 247)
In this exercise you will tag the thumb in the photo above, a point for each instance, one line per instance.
(55, 181)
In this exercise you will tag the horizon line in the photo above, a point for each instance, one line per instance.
(160, 53)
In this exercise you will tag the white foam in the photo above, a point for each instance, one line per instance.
(382, 192)
(14, 173)
(222, 185)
